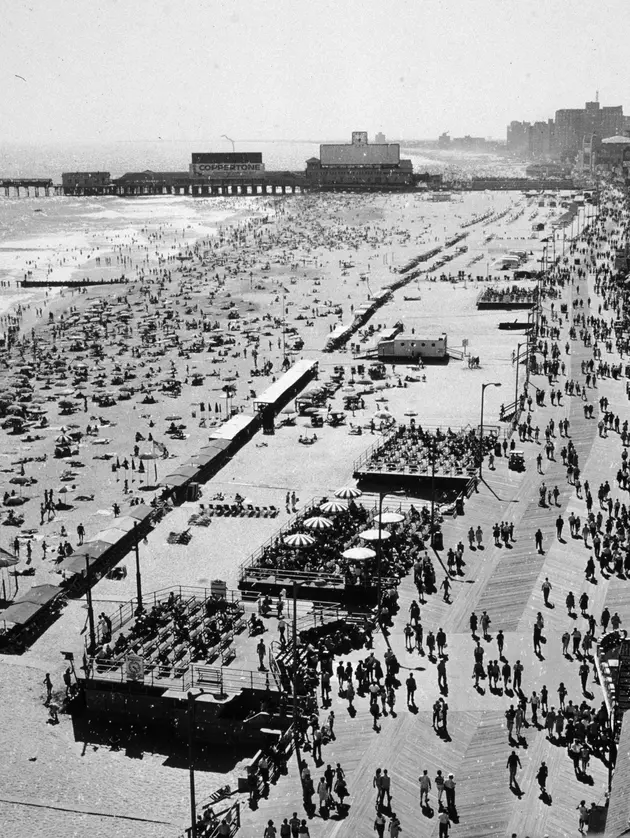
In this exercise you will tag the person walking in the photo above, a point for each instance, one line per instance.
(538, 540)
(541, 777)
(485, 625)
(425, 787)
(500, 642)
(262, 651)
(449, 788)
(49, 688)
(394, 826)
(474, 622)
(439, 786)
(570, 600)
(513, 762)
(377, 783)
(379, 823)
(444, 823)
(518, 673)
(605, 619)
(411, 689)
(582, 815)
(584, 672)
(546, 590)
(559, 527)
(510, 716)
(386, 784)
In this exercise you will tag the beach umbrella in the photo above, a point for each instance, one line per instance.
(358, 554)
(411, 413)
(7, 559)
(299, 539)
(375, 535)
(318, 522)
(172, 418)
(383, 414)
(348, 493)
(332, 506)
(20, 480)
(389, 518)
(288, 410)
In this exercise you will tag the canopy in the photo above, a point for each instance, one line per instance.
(348, 493)
(358, 554)
(40, 595)
(375, 535)
(20, 612)
(299, 539)
(125, 523)
(111, 535)
(175, 480)
(140, 512)
(93, 549)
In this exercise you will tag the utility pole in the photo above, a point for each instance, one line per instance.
(88, 595)
(140, 607)
(296, 732)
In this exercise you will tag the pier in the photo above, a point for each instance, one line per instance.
(12, 187)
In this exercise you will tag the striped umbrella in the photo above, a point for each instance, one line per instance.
(333, 506)
(299, 539)
(348, 493)
(318, 522)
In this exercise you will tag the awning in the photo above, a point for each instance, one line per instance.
(188, 470)
(175, 480)
(111, 536)
(93, 549)
(125, 523)
(40, 595)
(20, 612)
(73, 564)
(140, 512)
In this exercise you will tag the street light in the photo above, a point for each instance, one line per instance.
(192, 697)
(518, 358)
(483, 392)
(379, 535)
(140, 607)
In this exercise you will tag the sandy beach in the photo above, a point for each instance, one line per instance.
(322, 256)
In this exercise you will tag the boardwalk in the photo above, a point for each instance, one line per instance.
(506, 582)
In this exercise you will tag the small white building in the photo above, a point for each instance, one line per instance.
(412, 347)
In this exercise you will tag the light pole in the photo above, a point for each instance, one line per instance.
(192, 696)
(518, 358)
(381, 495)
(140, 607)
(483, 393)
(88, 596)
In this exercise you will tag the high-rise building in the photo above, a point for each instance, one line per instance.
(540, 136)
(380, 138)
(568, 132)
(518, 138)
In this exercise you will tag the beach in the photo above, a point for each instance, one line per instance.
(251, 270)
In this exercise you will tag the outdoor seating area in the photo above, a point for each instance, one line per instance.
(28, 616)
(173, 634)
(409, 449)
(515, 296)
(231, 510)
(335, 546)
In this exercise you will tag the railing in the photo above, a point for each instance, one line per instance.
(232, 814)
(127, 611)
(280, 575)
(226, 680)
(222, 680)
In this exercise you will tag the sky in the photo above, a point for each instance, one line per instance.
(185, 70)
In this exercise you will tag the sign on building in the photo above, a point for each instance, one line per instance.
(134, 668)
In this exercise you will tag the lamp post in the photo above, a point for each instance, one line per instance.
(88, 596)
(381, 496)
(192, 696)
(518, 358)
(483, 393)
(296, 732)
(140, 607)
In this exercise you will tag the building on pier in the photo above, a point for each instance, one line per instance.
(86, 183)
(360, 165)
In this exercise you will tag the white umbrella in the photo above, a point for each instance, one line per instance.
(375, 535)
(358, 554)
(389, 518)
(348, 493)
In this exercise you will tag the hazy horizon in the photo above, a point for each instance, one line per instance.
(148, 71)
